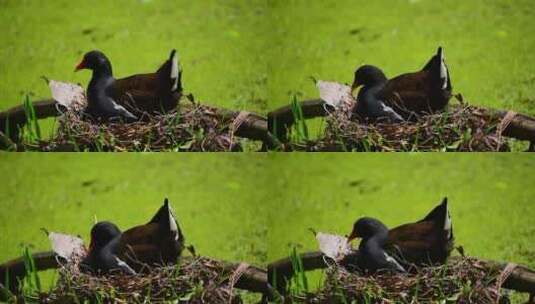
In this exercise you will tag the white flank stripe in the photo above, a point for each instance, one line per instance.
(391, 111)
(125, 266)
(393, 261)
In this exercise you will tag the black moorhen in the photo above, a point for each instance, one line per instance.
(408, 95)
(159, 242)
(103, 255)
(368, 103)
(152, 92)
(100, 97)
(372, 255)
(428, 241)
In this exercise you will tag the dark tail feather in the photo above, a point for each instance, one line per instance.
(166, 218)
(171, 72)
(437, 66)
(162, 214)
(173, 52)
(438, 213)
(434, 62)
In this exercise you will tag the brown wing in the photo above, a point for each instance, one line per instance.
(140, 245)
(417, 92)
(147, 92)
(148, 244)
(143, 82)
(139, 101)
(409, 93)
(419, 243)
(414, 236)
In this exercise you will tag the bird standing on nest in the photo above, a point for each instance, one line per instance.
(403, 97)
(159, 242)
(111, 98)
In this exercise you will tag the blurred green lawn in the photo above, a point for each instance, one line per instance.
(241, 53)
(488, 44)
(215, 198)
(255, 54)
(211, 196)
(218, 42)
(255, 208)
(491, 198)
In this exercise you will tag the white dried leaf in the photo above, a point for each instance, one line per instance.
(334, 246)
(335, 94)
(67, 246)
(69, 95)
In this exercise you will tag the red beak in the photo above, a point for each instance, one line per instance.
(80, 66)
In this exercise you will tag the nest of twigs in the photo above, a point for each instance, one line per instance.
(195, 280)
(460, 128)
(464, 280)
(194, 128)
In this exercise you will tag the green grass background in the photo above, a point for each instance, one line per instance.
(491, 199)
(255, 208)
(218, 42)
(488, 45)
(214, 199)
(256, 54)
(244, 54)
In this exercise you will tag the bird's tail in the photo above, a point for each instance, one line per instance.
(437, 64)
(441, 215)
(166, 217)
(170, 72)
(176, 71)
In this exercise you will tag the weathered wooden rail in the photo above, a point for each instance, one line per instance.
(522, 279)
(253, 279)
(280, 120)
(253, 126)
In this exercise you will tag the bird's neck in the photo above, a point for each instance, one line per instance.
(102, 71)
(378, 240)
(377, 80)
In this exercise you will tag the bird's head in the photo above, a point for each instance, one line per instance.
(365, 228)
(102, 233)
(368, 75)
(94, 60)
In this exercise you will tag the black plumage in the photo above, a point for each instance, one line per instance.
(103, 255)
(406, 96)
(100, 91)
(159, 242)
(110, 98)
(372, 256)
